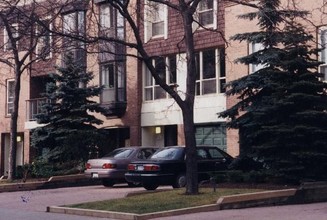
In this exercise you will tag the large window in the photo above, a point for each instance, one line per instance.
(74, 25)
(323, 53)
(210, 70)
(155, 20)
(113, 82)
(166, 68)
(43, 35)
(112, 25)
(106, 17)
(8, 44)
(10, 96)
(206, 14)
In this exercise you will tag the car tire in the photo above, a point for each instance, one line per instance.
(180, 181)
(108, 182)
(150, 186)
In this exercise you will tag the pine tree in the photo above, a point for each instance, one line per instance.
(281, 113)
(70, 130)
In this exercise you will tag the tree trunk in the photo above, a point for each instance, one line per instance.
(191, 156)
(13, 129)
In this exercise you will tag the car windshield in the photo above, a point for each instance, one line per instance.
(168, 154)
(120, 153)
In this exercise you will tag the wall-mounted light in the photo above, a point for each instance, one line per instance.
(18, 138)
(158, 130)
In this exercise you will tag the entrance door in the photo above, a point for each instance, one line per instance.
(5, 153)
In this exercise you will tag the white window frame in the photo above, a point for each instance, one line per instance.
(6, 40)
(323, 53)
(149, 21)
(254, 47)
(153, 87)
(10, 97)
(218, 78)
(197, 14)
(40, 44)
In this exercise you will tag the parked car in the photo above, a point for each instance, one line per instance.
(112, 167)
(167, 166)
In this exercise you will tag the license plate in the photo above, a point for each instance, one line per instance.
(140, 168)
(95, 175)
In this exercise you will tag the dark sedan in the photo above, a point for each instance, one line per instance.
(167, 166)
(112, 167)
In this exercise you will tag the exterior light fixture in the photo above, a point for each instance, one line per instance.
(158, 130)
(18, 138)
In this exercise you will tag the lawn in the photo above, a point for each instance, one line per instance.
(162, 200)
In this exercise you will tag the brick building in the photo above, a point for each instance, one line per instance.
(139, 111)
(315, 23)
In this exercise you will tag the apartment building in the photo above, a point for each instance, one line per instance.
(315, 23)
(139, 111)
(122, 119)
(161, 118)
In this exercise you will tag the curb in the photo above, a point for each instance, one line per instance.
(226, 202)
(52, 182)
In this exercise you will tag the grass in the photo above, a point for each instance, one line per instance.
(162, 201)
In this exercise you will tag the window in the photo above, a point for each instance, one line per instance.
(255, 47)
(10, 96)
(8, 45)
(155, 20)
(113, 81)
(202, 154)
(106, 19)
(210, 72)
(206, 15)
(43, 35)
(323, 53)
(112, 24)
(107, 76)
(166, 68)
(215, 154)
(74, 24)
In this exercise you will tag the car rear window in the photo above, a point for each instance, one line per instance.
(120, 153)
(168, 154)
(216, 154)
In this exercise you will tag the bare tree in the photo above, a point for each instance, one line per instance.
(26, 31)
(132, 12)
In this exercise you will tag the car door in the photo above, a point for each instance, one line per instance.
(205, 164)
(218, 160)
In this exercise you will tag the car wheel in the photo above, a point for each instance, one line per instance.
(134, 184)
(108, 182)
(180, 181)
(150, 186)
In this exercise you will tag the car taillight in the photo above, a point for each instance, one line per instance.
(151, 167)
(131, 167)
(88, 166)
(108, 166)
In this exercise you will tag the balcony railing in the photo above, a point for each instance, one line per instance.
(33, 108)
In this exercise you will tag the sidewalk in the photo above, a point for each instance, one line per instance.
(52, 182)
(307, 193)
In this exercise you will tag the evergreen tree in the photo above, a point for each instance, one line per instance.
(281, 113)
(70, 130)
